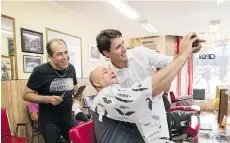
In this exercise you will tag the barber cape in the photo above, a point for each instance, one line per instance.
(134, 105)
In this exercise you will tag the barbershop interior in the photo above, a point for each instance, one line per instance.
(115, 71)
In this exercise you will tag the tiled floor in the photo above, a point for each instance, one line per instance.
(210, 119)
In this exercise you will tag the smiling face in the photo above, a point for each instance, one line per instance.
(60, 55)
(102, 77)
(117, 53)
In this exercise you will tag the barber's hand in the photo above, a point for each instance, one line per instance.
(55, 100)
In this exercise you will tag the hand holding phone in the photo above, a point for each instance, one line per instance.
(79, 91)
(196, 42)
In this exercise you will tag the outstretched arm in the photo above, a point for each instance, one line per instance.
(165, 76)
(162, 79)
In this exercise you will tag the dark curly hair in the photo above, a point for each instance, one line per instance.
(104, 37)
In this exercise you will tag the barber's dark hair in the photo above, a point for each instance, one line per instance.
(49, 43)
(104, 37)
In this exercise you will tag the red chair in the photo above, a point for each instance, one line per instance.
(183, 102)
(6, 136)
(190, 133)
(83, 133)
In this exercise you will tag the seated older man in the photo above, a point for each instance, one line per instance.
(120, 114)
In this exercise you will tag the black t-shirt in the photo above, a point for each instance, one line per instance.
(47, 82)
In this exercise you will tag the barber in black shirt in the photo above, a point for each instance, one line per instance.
(52, 85)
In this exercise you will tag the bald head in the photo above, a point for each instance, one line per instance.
(92, 77)
(102, 77)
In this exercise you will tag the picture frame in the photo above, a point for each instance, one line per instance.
(10, 42)
(151, 43)
(30, 62)
(94, 53)
(7, 68)
(32, 41)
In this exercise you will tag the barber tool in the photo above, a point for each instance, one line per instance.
(63, 95)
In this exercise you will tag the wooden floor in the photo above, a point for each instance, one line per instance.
(210, 119)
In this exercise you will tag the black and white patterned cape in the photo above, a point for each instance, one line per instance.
(134, 105)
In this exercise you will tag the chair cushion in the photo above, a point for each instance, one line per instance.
(172, 96)
(5, 128)
(83, 133)
(13, 139)
(193, 130)
(186, 108)
(181, 119)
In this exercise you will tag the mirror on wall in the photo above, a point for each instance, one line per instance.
(8, 48)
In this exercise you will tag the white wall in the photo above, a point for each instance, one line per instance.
(39, 15)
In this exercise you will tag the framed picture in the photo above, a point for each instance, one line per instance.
(32, 41)
(171, 45)
(30, 62)
(94, 53)
(6, 68)
(151, 43)
(10, 46)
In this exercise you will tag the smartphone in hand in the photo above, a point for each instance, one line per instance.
(79, 91)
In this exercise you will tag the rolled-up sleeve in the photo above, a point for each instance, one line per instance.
(155, 59)
(125, 104)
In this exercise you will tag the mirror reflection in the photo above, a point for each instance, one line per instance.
(8, 54)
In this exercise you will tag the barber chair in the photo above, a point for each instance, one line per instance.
(6, 136)
(189, 134)
(183, 103)
(83, 133)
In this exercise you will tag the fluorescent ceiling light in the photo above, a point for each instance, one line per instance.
(219, 2)
(148, 26)
(127, 10)
(214, 26)
(7, 32)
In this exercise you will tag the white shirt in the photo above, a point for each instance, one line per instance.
(141, 62)
(119, 103)
(76, 108)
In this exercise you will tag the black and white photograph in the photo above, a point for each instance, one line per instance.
(10, 42)
(94, 52)
(30, 62)
(32, 41)
(6, 68)
(151, 43)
